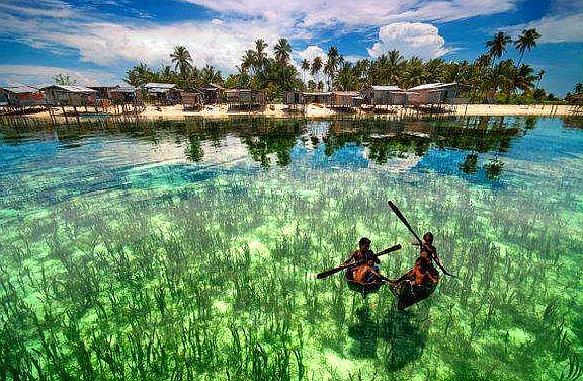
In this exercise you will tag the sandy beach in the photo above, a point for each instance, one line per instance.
(278, 110)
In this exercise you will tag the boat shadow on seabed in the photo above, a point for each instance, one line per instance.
(397, 337)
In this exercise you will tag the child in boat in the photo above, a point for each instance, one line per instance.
(423, 272)
(368, 271)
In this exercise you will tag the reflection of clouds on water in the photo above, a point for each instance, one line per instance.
(403, 163)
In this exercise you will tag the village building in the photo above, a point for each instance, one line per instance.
(384, 96)
(162, 93)
(212, 93)
(345, 99)
(60, 95)
(21, 96)
(117, 94)
(432, 94)
(244, 97)
(191, 99)
(317, 97)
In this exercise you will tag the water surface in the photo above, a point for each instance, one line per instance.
(188, 250)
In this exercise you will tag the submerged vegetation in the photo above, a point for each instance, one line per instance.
(191, 253)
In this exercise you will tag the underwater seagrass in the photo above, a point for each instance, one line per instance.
(188, 250)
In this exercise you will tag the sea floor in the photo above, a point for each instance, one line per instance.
(188, 250)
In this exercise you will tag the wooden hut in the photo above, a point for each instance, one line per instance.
(212, 93)
(317, 97)
(191, 99)
(117, 94)
(432, 94)
(345, 99)
(74, 96)
(162, 93)
(292, 98)
(21, 96)
(244, 97)
(384, 96)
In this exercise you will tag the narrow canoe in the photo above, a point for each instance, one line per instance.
(408, 294)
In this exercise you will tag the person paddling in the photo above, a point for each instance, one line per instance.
(420, 282)
(423, 272)
(368, 271)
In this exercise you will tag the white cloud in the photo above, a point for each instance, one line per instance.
(35, 74)
(209, 43)
(322, 13)
(555, 29)
(411, 39)
(312, 52)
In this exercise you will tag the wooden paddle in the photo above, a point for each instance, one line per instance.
(326, 274)
(406, 223)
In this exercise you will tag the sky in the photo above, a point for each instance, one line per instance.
(96, 41)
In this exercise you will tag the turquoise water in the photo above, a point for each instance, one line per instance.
(188, 250)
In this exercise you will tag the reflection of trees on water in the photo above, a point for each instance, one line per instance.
(382, 149)
(494, 168)
(279, 140)
(193, 150)
(384, 139)
(470, 164)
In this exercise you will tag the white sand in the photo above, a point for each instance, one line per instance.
(320, 111)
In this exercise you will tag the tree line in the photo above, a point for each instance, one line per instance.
(489, 78)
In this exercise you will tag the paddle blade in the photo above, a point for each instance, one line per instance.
(326, 274)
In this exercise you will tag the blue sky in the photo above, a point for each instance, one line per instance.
(97, 41)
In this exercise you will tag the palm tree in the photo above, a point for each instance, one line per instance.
(248, 60)
(497, 46)
(435, 69)
(209, 74)
(305, 67)
(139, 75)
(414, 74)
(331, 66)
(394, 65)
(524, 77)
(282, 51)
(526, 41)
(182, 60)
(260, 55)
(346, 78)
(316, 66)
(539, 76)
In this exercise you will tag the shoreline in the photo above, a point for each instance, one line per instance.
(315, 111)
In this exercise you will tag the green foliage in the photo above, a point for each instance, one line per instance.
(64, 80)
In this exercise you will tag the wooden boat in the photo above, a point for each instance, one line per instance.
(408, 294)
(363, 288)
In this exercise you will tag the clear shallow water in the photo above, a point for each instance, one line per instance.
(168, 251)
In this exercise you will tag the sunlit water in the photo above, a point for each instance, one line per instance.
(188, 251)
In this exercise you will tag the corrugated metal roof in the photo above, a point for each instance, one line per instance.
(307, 93)
(20, 89)
(153, 85)
(346, 93)
(386, 88)
(431, 86)
(237, 91)
(71, 89)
